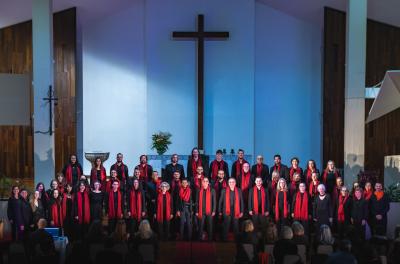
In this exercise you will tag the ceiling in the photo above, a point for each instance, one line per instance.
(15, 11)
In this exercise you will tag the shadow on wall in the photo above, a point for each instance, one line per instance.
(352, 168)
(42, 167)
(392, 170)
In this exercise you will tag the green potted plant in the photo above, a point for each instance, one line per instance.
(161, 141)
(393, 191)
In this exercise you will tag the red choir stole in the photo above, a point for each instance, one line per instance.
(83, 213)
(228, 203)
(143, 172)
(293, 171)
(325, 175)
(239, 167)
(123, 176)
(285, 209)
(184, 194)
(217, 188)
(301, 207)
(215, 168)
(93, 175)
(259, 169)
(175, 185)
(196, 164)
(68, 173)
(313, 188)
(64, 204)
(342, 201)
(157, 183)
(309, 173)
(197, 181)
(367, 194)
(208, 202)
(114, 213)
(160, 211)
(277, 168)
(57, 213)
(245, 181)
(136, 204)
(255, 200)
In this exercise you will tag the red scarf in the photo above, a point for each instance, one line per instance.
(143, 172)
(112, 214)
(325, 175)
(259, 169)
(301, 207)
(367, 194)
(197, 181)
(239, 167)
(313, 188)
(184, 194)
(93, 175)
(122, 170)
(57, 213)
(309, 173)
(245, 183)
(83, 216)
(217, 189)
(378, 195)
(195, 164)
(175, 184)
(216, 166)
(228, 203)
(293, 171)
(255, 200)
(160, 213)
(68, 173)
(342, 201)
(285, 209)
(277, 168)
(208, 202)
(136, 204)
(64, 204)
(157, 183)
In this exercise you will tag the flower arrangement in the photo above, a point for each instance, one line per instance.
(161, 140)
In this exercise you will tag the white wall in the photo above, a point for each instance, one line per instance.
(287, 86)
(114, 86)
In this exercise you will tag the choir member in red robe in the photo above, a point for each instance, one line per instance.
(217, 165)
(272, 186)
(368, 191)
(260, 170)
(114, 206)
(280, 168)
(206, 208)
(164, 213)
(231, 207)
(359, 213)
(56, 212)
(311, 168)
(98, 173)
(61, 182)
(258, 203)
(282, 203)
(329, 176)
(122, 171)
(295, 168)
(146, 170)
(198, 178)
(185, 210)
(343, 211)
(294, 184)
(301, 207)
(196, 160)
(244, 182)
(72, 171)
(136, 206)
(81, 210)
(380, 206)
(313, 185)
(171, 168)
(237, 165)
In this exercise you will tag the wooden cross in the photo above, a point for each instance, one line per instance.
(200, 35)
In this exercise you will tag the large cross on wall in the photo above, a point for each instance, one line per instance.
(200, 36)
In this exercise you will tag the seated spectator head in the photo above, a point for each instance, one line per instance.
(145, 231)
(286, 233)
(248, 226)
(42, 223)
(120, 234)
(271, 234)
(326, 237)
(298, 229)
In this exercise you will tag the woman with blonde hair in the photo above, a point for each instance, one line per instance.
(282, 207)
(329, 176)
(120, 235)
(37, 208)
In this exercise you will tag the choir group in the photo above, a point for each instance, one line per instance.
(206, 200)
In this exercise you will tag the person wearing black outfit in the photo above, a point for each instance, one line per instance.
(14, 213)
(206, 206)
(359, 213)
(27, 215)
(280, 168)
(260, 170)
(37, 209)
(196, 160)
(185, 210)
(72, 171)
(217, 165)
(168, 173)
(380, 205)
(96, 202)
(258, 203)
(122, 171)
(322, 208)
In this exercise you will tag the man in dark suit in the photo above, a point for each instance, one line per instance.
(260, 170)
(41, 241)
(168, 173)
(280, 168)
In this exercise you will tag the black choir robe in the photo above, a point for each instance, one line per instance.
(283, 171)
(149, 171)
(322, 210)
(379, 207)
(77, 171)
(118, 169)
(224, 167)
(265, 176)
(168, 172)
(235, 174)
(213, 201)
(358, 210)
(204, 164)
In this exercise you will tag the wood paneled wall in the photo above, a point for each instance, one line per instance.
(16, 148)
(382, 136)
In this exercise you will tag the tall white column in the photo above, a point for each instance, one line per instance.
(42, 43)
(354, 114)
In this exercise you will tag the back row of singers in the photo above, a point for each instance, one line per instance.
(73, 170)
